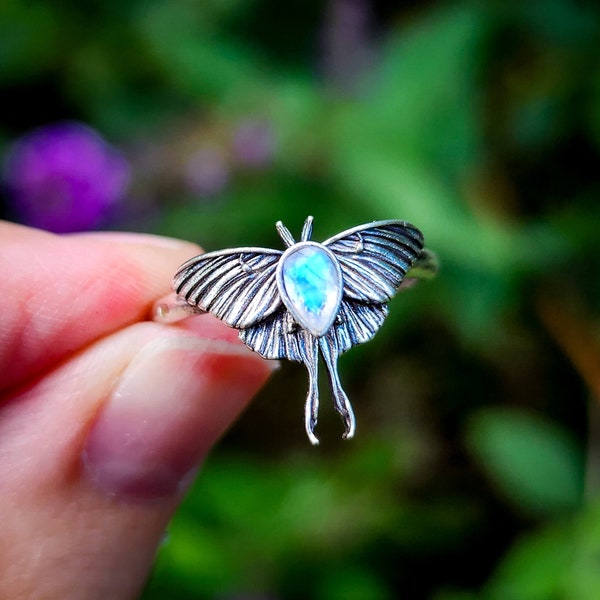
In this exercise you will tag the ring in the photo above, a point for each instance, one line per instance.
(310, 299)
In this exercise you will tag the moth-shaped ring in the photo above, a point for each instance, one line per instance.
(313, 298)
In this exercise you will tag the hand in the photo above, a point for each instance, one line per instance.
(104, 415)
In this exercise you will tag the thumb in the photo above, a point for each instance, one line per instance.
(95, 455)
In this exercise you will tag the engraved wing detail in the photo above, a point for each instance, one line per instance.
(356, 323)
(239, 286)
(277, 336)
(374, 258)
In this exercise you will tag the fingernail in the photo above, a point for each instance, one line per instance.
(169, 407)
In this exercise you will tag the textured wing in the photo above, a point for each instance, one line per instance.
(277, 336)
(356, 323)
(238, 286)
(375, 257)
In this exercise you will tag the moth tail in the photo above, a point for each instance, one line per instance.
(311, 408)
(342, 404)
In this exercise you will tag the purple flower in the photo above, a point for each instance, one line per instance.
(206, 172)
(347, 44)
(253, 143)
(64, 177)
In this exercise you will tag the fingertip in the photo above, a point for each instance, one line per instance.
(68, 291)
(187, 248)
(172, 403)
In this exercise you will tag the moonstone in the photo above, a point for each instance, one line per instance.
(312, 287)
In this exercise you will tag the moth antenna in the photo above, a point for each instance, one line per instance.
(284, 234)
(307, 229)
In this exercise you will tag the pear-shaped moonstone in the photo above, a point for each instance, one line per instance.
(312, 287)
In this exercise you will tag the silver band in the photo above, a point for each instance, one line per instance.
(173, 308)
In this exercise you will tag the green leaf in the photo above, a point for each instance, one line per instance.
(30, 36)
(194, 61)
(559, 562)
(532, 462)
(352, 582)
(535, 568)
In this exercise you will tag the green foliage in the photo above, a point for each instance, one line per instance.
(535, 464)
(477, 121)
(558, 562)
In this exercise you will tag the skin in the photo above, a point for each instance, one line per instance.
(104, 414)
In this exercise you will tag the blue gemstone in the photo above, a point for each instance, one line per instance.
(312, 287)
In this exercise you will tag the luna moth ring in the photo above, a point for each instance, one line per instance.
(310, 299)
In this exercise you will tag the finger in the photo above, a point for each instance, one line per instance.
(63, 292)
(94, 456)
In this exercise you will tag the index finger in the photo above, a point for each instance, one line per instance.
(61, 293)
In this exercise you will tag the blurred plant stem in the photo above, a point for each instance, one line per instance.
(576, 334)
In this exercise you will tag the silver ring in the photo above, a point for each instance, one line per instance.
(310, 299)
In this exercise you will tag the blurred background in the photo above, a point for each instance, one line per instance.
(474, 472)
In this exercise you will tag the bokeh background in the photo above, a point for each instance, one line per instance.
(474, 473)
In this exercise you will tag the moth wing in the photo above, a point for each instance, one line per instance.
(239, 285)
(356, 323)
(277, 336)
(374, 258)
